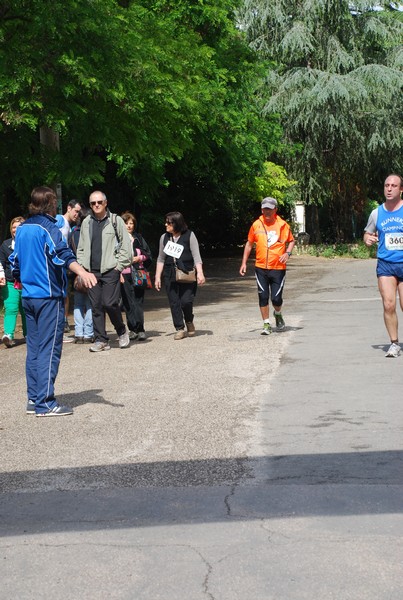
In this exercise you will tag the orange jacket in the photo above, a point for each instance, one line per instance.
(271, 242)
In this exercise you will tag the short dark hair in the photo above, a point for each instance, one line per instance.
(72, 203)
(177, 221)
(43, 201)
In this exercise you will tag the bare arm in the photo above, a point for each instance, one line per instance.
(158, 272)
(284, 257)
(246, 254)
(2, 276)
(195, 250)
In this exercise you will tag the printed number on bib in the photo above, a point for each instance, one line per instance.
(272, 238)
(173, 249)
(394, 241)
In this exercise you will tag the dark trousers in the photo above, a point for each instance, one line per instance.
(133, 302)
(105, 297)
(181, 297)
(45, 326)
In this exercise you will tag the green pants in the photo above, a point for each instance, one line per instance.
(12, 306)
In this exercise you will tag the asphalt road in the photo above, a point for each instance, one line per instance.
(226, 466)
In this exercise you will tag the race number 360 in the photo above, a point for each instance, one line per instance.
(394, 241)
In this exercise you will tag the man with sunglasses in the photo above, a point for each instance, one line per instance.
(105, 250)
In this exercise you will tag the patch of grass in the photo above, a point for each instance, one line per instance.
(357, 250)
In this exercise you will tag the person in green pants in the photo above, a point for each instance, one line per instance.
(11, 292)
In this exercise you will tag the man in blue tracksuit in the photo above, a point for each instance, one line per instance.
(39, 261)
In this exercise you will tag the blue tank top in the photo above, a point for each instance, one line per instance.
(390, 233)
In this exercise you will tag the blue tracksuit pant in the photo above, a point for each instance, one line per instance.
(45, 325)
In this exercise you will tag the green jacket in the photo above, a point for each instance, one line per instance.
(114, 255)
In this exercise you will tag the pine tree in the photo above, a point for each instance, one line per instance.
(336, 80)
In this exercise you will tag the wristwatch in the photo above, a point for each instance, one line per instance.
(289, 253)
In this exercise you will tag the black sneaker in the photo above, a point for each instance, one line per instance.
(79, 340)
(66, 327)
(57, 411)
(8, 341)
(30, 407)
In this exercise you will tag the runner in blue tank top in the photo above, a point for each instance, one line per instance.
(385, 228)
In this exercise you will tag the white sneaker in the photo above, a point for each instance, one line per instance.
(266, 329)
(99, 346)
(394, 351)
(124, 339)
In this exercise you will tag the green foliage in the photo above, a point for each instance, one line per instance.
(160, 99)
(357, 250)
(337, 85)
(273, 182)
(105, 76)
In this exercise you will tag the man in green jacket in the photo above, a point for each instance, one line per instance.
(105, 250)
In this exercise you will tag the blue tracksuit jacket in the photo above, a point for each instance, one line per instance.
(39, 253)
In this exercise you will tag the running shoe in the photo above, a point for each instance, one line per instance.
(56, 411)
(279, 321)
(394, 351)
(99, 346)
(124, 339)
(30, 407)
(266, 329)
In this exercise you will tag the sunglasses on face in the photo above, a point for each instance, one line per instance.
(96, 202)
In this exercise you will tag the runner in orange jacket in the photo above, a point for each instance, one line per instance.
(274, 244)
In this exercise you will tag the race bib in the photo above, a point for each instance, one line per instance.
(173, 249)
(394, 241)
(272, 238)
